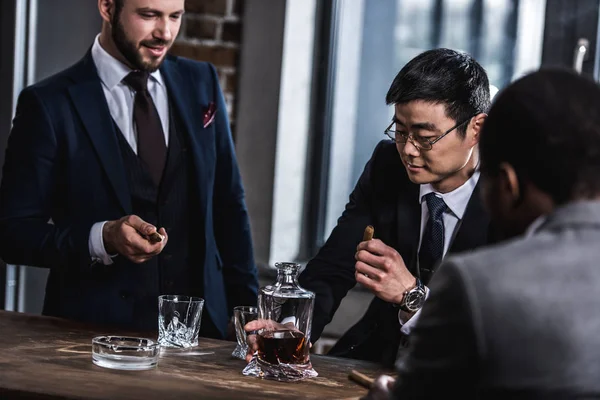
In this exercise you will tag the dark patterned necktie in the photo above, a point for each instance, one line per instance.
(432, 243)
(151, 147)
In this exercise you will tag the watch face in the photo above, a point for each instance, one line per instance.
(414, 300)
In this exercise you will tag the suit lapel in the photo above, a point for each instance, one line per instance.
(175, 155)
(90, 103)
(409, 225)
(474, 228)
(184, 101)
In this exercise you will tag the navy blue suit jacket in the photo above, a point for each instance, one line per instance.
(63, 173)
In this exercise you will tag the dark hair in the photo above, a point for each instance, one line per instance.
(443, 76)
(119, 4)
(547, 126)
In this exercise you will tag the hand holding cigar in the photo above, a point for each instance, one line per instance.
(380, 269)
(380, 388)
(133, 238)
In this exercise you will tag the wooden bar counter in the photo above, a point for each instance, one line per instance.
(50, 358)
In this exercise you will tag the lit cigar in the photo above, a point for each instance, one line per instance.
(155, 237)
(368, 235)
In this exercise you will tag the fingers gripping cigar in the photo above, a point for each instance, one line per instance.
(368, 235)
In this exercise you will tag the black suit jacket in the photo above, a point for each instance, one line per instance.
(385, 198)
(63, 164)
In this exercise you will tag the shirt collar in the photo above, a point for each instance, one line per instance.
(535, 226)
(457, 199)
(112, 71)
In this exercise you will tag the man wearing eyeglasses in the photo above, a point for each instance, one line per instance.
(419, 191)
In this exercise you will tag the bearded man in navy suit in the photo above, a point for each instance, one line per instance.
(127, 143)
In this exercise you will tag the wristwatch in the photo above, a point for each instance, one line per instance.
(414, 298)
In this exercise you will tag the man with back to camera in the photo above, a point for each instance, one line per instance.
(127, 141)
(420, 193)
(519, 320)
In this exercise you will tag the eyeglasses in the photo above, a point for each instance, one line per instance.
(419, 142)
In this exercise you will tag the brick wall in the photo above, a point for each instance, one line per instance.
(211, 31)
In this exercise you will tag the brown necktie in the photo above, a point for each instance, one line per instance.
(150, 136)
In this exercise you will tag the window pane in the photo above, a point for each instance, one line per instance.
(374, 42)
(498, 42)
(457, 24)
(414, 30)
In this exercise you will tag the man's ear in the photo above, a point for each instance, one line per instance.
(476, 126)
(106, 9)
(509, 183)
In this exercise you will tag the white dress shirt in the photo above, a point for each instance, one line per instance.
(120, 99)
(456, 201)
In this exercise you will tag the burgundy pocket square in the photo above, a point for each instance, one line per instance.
(209, 115)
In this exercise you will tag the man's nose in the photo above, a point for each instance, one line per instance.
(410, 149)
(164, 31)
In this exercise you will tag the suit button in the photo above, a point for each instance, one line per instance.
(124, 294)
(166, 256)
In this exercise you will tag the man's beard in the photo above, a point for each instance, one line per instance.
(130, 51)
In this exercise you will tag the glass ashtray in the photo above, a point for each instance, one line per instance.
(128, 353)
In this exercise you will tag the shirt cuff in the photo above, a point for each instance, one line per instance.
(407, 325)
(96, 245)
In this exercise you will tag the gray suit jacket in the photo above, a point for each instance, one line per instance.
(520, 319)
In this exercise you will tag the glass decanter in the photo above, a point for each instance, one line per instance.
(285, 311)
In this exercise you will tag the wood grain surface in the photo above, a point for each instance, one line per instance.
(50, 358)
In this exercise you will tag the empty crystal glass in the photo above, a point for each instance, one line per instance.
(241, 316)
(179, 320)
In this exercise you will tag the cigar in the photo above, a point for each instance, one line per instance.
(368, 235)
(361, 379)
(155, 237)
